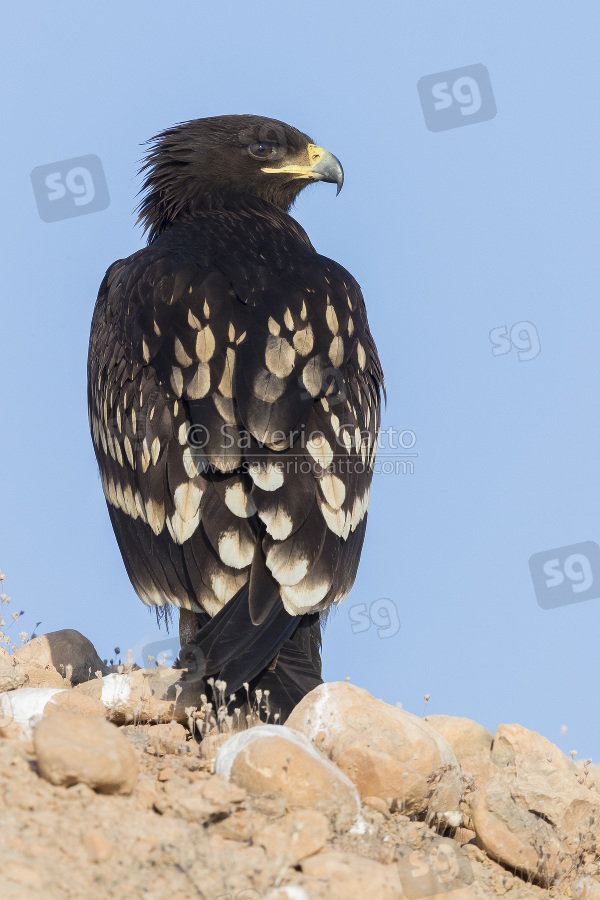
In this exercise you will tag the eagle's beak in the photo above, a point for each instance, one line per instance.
(328, 168)
(324, 167)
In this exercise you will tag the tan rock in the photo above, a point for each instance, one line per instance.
(209, 746)
(385, 751)
(351, 877)
(166, 739)
(275, 761)
(10, 731)
(514, 836)
(587, 888)
(71, 701)
(572, 809)
(466, 737)
(516, 745)
(60, 649)
(464, 835)
(137, 697)
(541, 779)
(477, 772)
(240, 826)
(377, 804)
(41, 676)
(295, 836)
(72, 749)
(590, 774)
(96, 846)
(20, 873)
(204, 801)
(21, 708)
(11, 678)
(443, 870)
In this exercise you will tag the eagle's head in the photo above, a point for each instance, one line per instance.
(205, 160)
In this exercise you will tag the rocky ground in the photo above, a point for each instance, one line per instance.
(116, 784)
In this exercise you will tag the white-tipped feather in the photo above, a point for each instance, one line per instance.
(205, 344)
(320, 449)
(279, 524)
(334, 490)
(279, 356)
(268, 476)
(235, 551)
(285, 568)
(238, 501)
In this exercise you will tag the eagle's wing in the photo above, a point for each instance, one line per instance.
(235, 427)
(307, 387)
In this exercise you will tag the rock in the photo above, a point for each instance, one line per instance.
(208, 800)
(241, 825)
(60, 649)
(527, 806)
(377, 804)
(572, 809)
(21, 708)
(587, 889)
(71, 701)
(352, 877)
(72, 749)
(166, 739)
(515, 837)
(464, 835)
(275, 761)
(15, 675)
(466, 737)
(443, 870)
(385, 751)
(516, 745)
(138, 697)
(542, 779)
(43, 677)
(11, 678)
(209, 746)
(290, 892)
(295, 836)
(590, 774)
(477, 772)
(96, 846)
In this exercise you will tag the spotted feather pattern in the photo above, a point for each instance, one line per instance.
(234, 401)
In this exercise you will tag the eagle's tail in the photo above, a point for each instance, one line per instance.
(281, 655)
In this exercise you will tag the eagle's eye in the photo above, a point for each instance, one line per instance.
(262, 149)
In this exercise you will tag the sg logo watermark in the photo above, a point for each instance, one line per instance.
(523, 337)
(382, 613)
(71, 187)
(566, 575)
(167, 651)
(457, 97)
(445, 869)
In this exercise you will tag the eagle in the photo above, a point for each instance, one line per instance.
(234, 394)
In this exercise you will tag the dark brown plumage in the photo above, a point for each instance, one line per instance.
(234, 393)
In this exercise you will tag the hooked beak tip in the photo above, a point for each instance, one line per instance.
(329, 169)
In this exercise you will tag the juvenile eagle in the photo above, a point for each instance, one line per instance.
(234, 402)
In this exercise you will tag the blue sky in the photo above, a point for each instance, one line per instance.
(451, 234)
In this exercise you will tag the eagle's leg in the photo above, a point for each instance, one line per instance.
(188, 625)
(288, 675)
